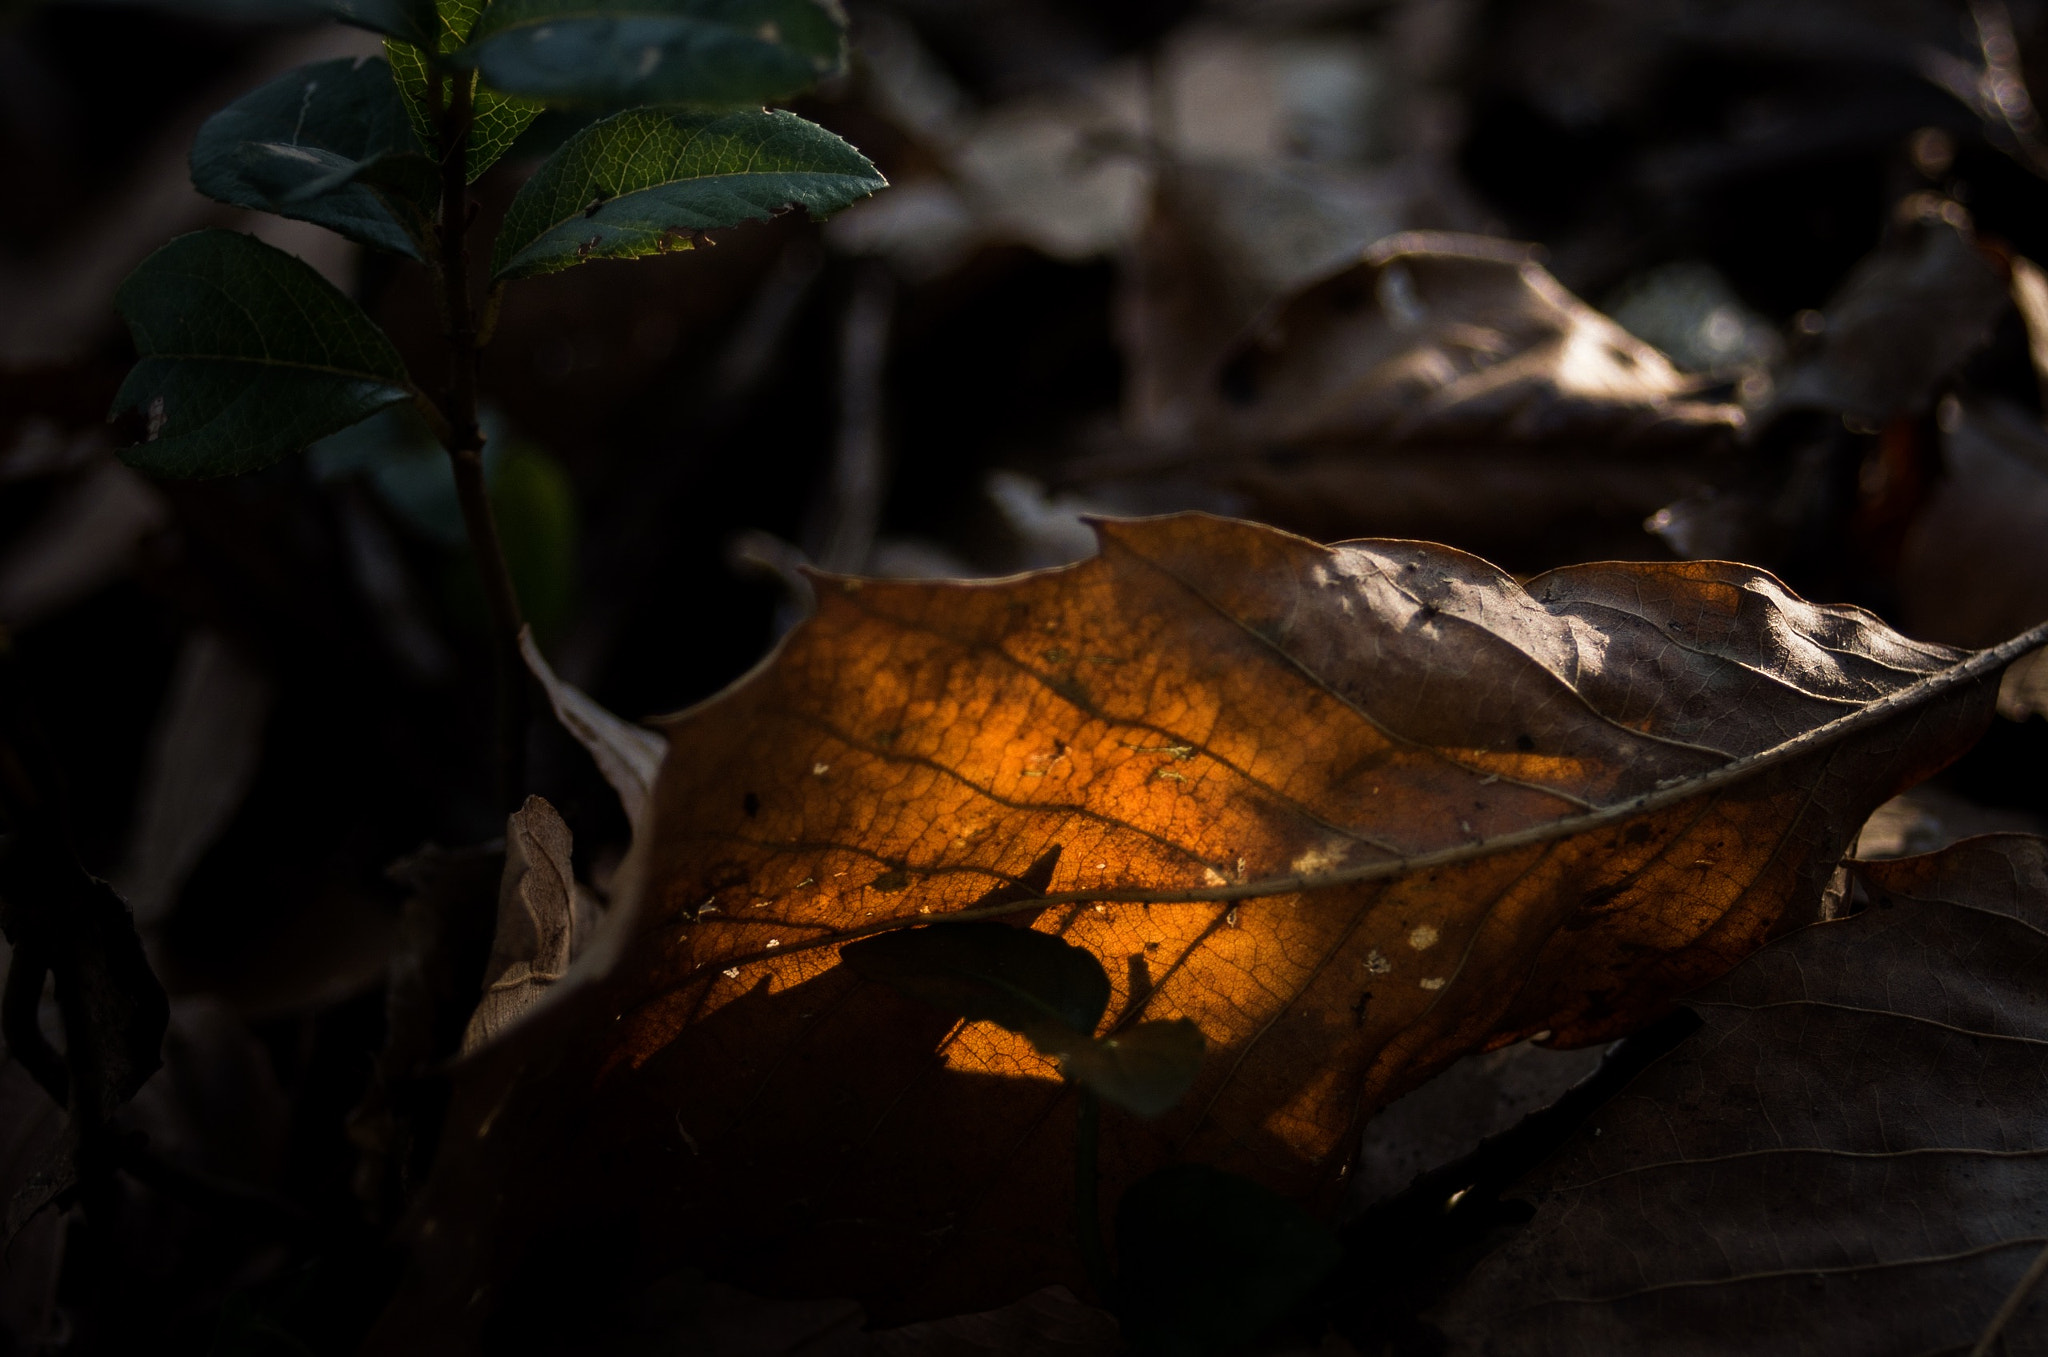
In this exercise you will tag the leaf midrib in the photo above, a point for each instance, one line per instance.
(631, 194)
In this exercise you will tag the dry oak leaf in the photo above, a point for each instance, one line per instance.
(1847, 1160)
(1354, 810)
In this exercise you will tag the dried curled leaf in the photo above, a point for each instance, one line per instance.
(1848, 1158)
(1437, 338)
(1906, 319)
(537, 923)
(627, 755)
(1442, 385)
(1351, 811)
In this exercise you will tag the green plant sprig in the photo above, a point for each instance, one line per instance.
(247, 355)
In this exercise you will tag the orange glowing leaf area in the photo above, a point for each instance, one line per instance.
(1355, 811)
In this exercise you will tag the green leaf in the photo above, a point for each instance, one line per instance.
(327, 143)
(1029, 982)
(247, 355)
(495, 121)
(1208, 1261)
(410, 20)
(628, 52)
(640, 182)
(1145, 1070)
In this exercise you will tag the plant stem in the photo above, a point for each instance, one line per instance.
(464, 439)
(1087, 1206)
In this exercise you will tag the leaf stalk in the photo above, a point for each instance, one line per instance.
(460, 432)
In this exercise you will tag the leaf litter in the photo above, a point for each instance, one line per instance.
(1882, 453)
(1845, 1158)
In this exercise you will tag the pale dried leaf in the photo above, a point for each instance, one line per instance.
(628, 755)
(537, 910)
(2030, 296)
(2024, 690)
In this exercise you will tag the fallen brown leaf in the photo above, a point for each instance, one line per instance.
(537, 922)
(1843, 462)
(1904, 320)
(1220, 244)
(1441, 386)
(1446, 1119)
(1355, 811)
(1848, 1158)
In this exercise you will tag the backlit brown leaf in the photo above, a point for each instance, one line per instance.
(1355, 811)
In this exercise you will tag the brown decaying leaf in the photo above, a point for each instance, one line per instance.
(1446, 1119)
(1973, 568)
(1443, 385)
(1904, 320)
(1219, 244)
(1440, 338)
(2024, 692)
(1849, 1158)
(536, 922)
(1355, 811)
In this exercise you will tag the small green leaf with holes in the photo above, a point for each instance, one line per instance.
(495, 119)
(247, 355)
(642, 182)
(1208, 1261)
(618, 53)
(1146, 1070)
(1030, 982)
(327, 143)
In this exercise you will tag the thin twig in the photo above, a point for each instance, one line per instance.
(1978, 666)
(1996, 93)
